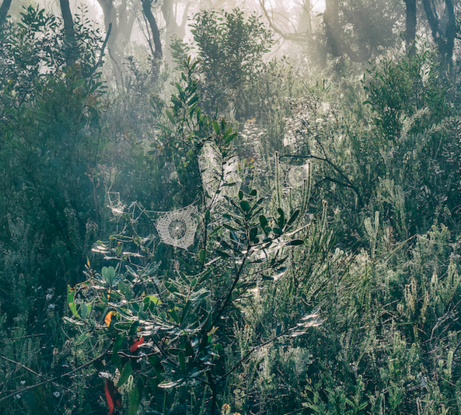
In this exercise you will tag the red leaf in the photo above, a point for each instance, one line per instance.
(136, 344)
(110, 403)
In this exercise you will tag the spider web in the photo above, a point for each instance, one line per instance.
(178, 227)
(210, 164)
(297, 174)
(115, 205)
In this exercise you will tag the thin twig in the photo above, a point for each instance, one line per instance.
(21, 365)
(99, 62)
(56, 377)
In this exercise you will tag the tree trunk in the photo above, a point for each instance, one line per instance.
(330, 19)
(146, 8)
(445, 43)
(305, 21)
(410, 24)
(115, 51)
(4, 11)
(450, 32)
(71, 50)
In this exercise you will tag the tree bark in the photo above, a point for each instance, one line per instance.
(71, 50)
(450, 32)
(4, 11)
(445, 41)
(146, 8)
(113, 45)
(410, 24)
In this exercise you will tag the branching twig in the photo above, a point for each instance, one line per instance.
(56, 377)
(99, 62)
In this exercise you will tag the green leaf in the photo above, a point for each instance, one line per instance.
(70, 295)
(125, 289)
(109, 275)
(79, 83)
(294, 216)
(126, 372)
(294, 242)
(263, 222)
(281, 219)
(240, 195)
(154, 299)
(174, 316)
(170, 117)
(134, 328)
(231, 137)
(73, 308)
(222, 254)
(182, 361)
(202, 255)
(215, 127)
(185, 311)
(133, 401)
(245, 206)
(253, 234)
(84, 310)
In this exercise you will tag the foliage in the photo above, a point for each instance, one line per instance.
(230, 49)
(339, 294)
(181, 320)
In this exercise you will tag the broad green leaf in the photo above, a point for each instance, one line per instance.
(215, 127)
(245, 206)
(126, 372)
(202, 255)
(133, 401)
(154, 299)
(125, 289)
(73, 308)
(84, 310)
(109, 275)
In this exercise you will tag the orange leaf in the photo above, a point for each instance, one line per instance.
(108, 317)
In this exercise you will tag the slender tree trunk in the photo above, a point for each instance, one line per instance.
(445, 41)
(450, 32)
(410, 24)
(146, 8)
(330, 19)
(71, 51)
(4, 11)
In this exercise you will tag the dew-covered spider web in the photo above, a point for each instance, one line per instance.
(115, 205)
(296, 175)
(178, 227)
(210, 163)
(218, 175)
